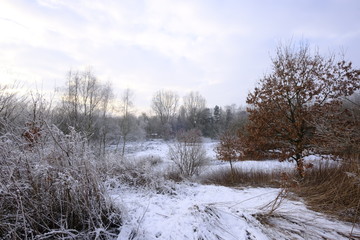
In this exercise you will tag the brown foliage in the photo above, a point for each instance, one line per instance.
(32, 133)
(229, 148)
(288, 103)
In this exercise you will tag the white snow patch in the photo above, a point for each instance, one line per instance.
(214, 212)
(193, 211)
(160, 148)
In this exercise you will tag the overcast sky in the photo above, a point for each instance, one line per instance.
(217, 47)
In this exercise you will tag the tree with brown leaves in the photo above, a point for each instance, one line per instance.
(229, 149)
(284, 108)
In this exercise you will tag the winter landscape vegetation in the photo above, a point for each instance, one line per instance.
(83, 161)
(286, 167)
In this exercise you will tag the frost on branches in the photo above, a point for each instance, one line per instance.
(50, 188)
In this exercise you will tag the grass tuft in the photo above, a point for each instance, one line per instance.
(239, 177)
(333, 190)
(52, 190)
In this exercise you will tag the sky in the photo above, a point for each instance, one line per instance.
(220, 48)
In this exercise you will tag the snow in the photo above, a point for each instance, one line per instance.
(193, 211)
(159, 148)
(155, 148)
(265, 166)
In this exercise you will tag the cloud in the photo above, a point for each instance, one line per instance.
(219, 48)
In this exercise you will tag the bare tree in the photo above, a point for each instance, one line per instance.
(126, 106)
(71, 100)
(165, 104)
(82, 103)
(91, 91)
(11, 107)
(284, 107)
(188, 153)
(193, 104)
(105, 109)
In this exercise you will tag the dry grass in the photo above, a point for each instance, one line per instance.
(239, 177)
(174, 175)
(333, 190)
(52, 190)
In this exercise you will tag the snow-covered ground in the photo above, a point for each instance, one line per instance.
(195, 211)
(159, 149)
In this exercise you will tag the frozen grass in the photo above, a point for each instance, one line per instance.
(51, 190)
(143, 173)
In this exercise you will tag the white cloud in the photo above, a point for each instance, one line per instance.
(214, 47)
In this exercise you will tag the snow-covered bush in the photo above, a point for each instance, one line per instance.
(50, 189)
(188, 153)
(145, 172)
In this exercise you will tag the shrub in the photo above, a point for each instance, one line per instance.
(188, 153)
(51, 190)
(144, 172)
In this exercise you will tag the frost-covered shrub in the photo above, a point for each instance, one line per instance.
(51, 190)
(188, 153)
(145, 172)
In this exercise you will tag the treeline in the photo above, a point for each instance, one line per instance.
(51, 179)
(192, 114)
(89, 106)
(51, 175)
(307, 102)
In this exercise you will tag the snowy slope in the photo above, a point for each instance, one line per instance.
(194, 211)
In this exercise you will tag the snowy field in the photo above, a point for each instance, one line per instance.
(194, 211)
(159, 149)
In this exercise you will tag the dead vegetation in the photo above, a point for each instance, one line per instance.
(188, 153)
(333, 190)
(51, 190)
(238, 177)
(328, 188)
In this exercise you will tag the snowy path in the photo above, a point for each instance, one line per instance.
(208, 212)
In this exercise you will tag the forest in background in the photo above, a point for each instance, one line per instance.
(55, 154)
